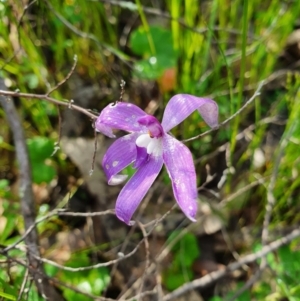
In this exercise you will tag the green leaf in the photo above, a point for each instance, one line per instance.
(31, 80)
(162, 39)
(7, 291)
(185, 252)
(290, 261)
(4, 184)
(40, 148)
(42, 173)
(7, 296)
(50, 269)
(173, 279)
(4, 188)
(8, 229)
(245, 296)
(70, 295)
(153, 65)
(99, 278)
(187, 243)
(90, 281)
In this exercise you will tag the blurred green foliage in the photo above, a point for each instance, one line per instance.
(153, 65)
(185, 251)
(40, 150)
(90, 281)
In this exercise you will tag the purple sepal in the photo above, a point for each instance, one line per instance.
(136, 188)
(104, 129)
(180, 166)
(119, 155)
(141, 157)
(122, 116)
(181, 106)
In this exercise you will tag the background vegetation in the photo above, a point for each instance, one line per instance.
(248, 170)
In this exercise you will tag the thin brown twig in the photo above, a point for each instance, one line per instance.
(68, 104)
(270, 188)
(54, 280)
(94, 266)
(146, 242)
(26, 7)
(95, 150)
(8, 60)
(48, 216)
(141, 295)
(248, 284)
(111, 262)
(239, 136)
(125, 243)
(57, 143)
(64, 79)
(23, 285)
(27, 199)
(242, 190)
(123, 247)
(153, 224)
(122, 86)
(267, 217)
(216, 275)
(247, 103)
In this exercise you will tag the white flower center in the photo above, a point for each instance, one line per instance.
(153, 145)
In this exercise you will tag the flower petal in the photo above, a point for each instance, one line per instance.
(104, 129)
(153, 145)
(181, 106)
(180, 166)
(122, 116)
(119, 155)
(136, 188)
(141, 157)
(153, 125)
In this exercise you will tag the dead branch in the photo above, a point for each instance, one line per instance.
(69, 104)
(27, 200)
(247, 103)
(216, 275)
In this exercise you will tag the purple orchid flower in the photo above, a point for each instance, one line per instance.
(149, 146)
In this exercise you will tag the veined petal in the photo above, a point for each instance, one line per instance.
(180, 166)
(181, 106)
(104, 129)
(122, 116)
(136, 188)
(141, 157)
(119, 155)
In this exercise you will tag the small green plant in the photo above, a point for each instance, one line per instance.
(93, 281)
(156, 58)
(40, 150)
(185, 251)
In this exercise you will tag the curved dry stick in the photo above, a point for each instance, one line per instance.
(57, 281)
(268, 214)
(247, 103)
(48, 216)
(69, 104)
(216, 275)
(27, 200)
